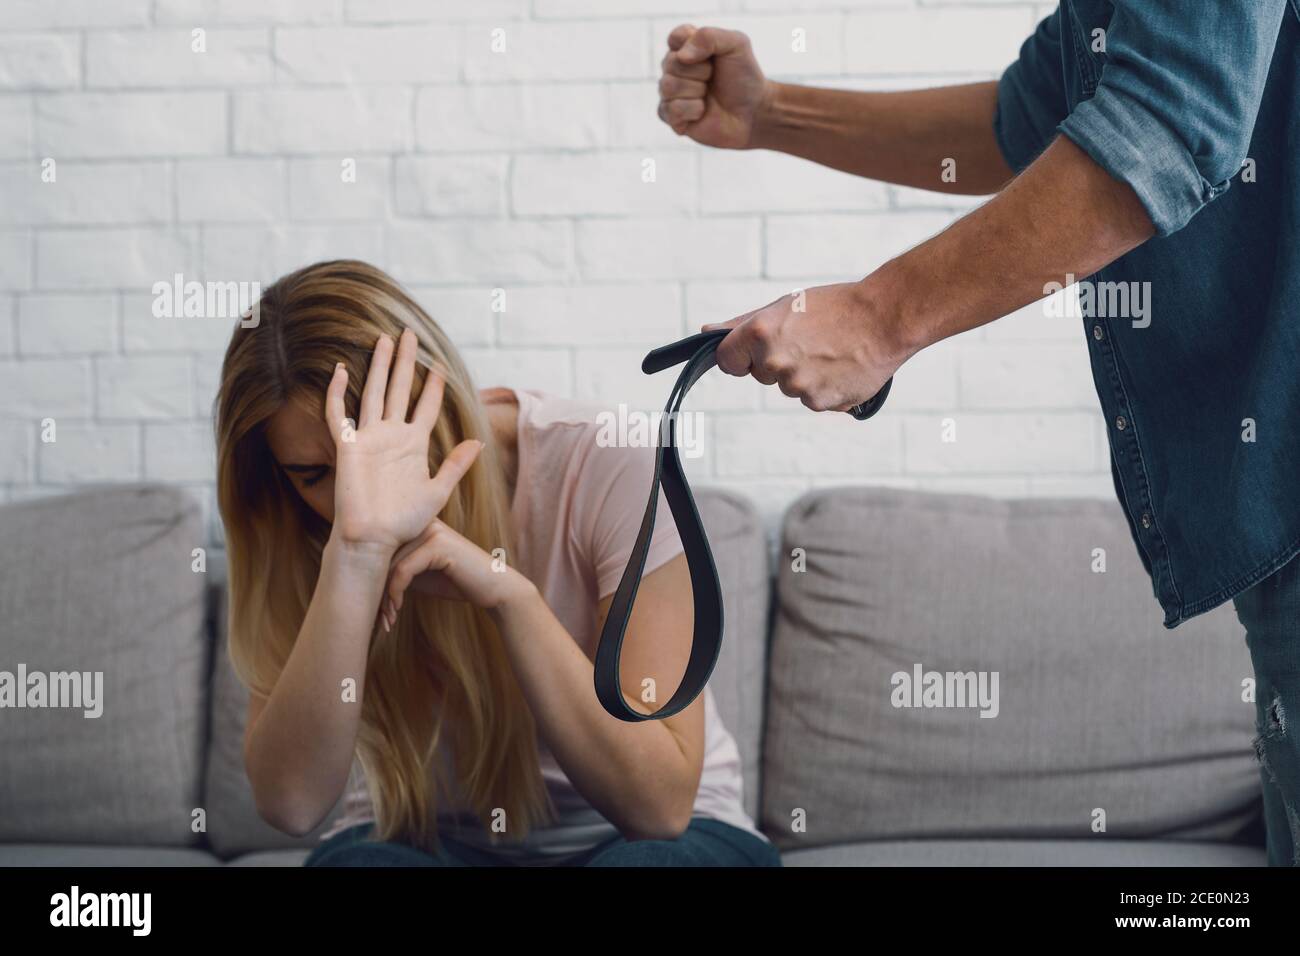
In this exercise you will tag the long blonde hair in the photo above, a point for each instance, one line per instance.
(443, 670)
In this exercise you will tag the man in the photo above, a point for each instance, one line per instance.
(1143, 141)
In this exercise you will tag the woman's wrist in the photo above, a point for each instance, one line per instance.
(518, 600)
(359, 555)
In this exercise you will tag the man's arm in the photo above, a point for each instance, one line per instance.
(902, 138)
(1064, 214)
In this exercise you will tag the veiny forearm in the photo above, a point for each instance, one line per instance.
(1064, 215)
(634, 774)
(301, 748)
(901, 138)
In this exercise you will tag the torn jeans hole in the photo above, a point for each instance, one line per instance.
(1273, 737)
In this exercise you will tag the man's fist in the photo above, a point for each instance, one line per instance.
(712, 89)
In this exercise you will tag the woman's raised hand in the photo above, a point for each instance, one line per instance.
(384, 495)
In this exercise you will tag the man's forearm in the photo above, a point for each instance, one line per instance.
(903, 138)
(1064, 215)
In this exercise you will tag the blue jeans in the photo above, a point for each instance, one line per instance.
(1270, 612)
(706, 842)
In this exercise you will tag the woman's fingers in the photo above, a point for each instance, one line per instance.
(452, 470)
(335, 411)
(388, 606)
(429, 404)
(410, 546)
(398, 581)
(399, 388)
(424, 558)
(372, 395)
(386, 616)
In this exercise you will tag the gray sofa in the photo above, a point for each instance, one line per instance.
(1108, 740)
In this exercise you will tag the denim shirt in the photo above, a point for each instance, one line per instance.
(1197, 107)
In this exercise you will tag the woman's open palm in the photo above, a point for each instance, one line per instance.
(384, 495)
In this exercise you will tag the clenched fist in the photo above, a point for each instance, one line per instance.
(712, 89)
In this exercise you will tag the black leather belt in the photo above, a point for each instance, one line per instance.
(698, 352)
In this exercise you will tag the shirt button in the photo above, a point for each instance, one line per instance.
(1097, 333)
(1121, 423)
(1146, 520)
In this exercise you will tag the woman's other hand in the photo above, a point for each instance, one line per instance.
(444, 563)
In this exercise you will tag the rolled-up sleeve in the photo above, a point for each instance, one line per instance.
(1031, 96)
(1175, 106)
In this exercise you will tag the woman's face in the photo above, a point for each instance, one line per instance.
(301, 443)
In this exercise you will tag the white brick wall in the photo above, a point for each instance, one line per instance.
(478, 170)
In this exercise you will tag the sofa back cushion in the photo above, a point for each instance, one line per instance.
(102, 583)
(1102, 722)
(736, 536)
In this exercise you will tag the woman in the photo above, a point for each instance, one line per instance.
(418, 576)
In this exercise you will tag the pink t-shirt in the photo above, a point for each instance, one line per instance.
(577, 508)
